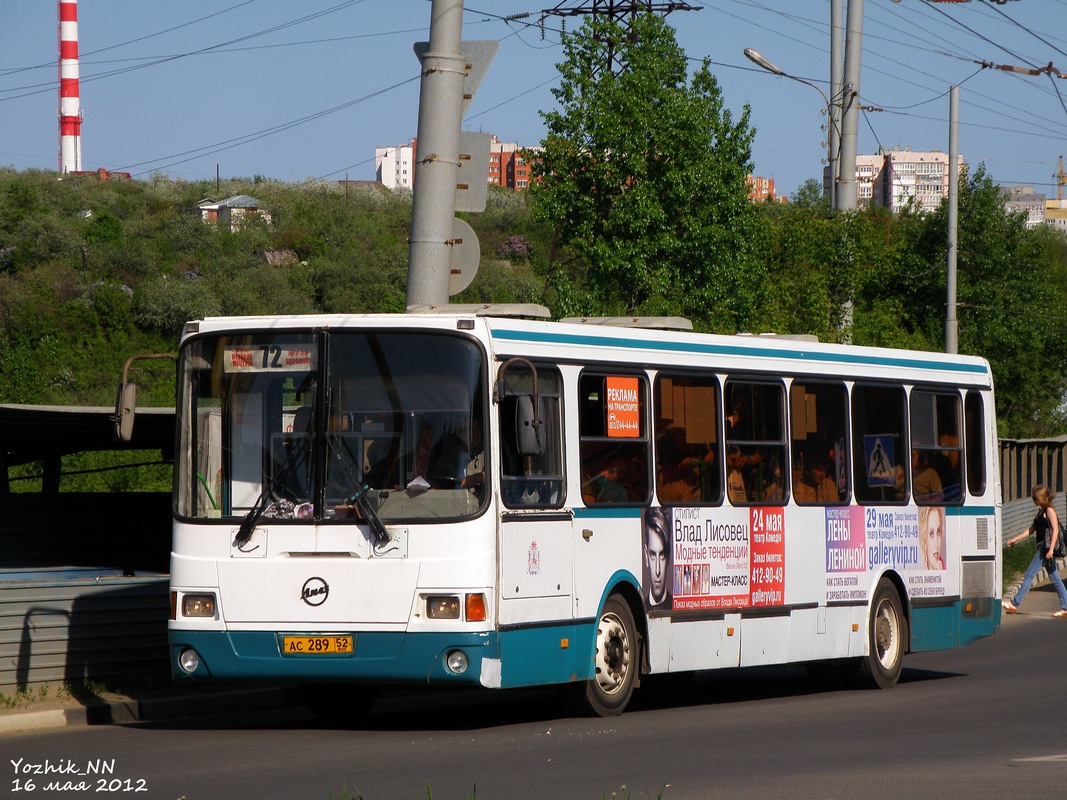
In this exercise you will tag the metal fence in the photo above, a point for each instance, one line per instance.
(1024, 463)
(81, 628)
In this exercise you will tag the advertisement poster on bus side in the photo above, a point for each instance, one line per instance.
(910, 541)
(699, 558)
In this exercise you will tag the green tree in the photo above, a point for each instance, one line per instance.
(644, 177)
(1010, 296)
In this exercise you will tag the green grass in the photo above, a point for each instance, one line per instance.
(1017, 559)
(36, 695)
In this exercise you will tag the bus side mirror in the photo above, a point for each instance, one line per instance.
(125, 406)
(529, 427)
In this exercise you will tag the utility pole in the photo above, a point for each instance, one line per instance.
(621, 11)
(437, 157)
(833, 108)
(847, 191)
(951, 323)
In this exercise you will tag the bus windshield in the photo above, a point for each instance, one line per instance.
(312, 426)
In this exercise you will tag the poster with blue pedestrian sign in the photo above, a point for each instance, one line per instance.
(878, 449)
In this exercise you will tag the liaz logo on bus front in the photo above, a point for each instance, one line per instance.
(315, 591)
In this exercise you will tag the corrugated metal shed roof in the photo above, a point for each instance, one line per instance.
(30, 433)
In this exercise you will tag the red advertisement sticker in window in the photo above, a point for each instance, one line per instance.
(623, 407)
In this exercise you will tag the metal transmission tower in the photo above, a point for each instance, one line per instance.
(622, 11)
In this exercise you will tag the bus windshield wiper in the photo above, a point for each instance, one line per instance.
(366, 508)
(361, 500)
(264, 501)
(251, 519)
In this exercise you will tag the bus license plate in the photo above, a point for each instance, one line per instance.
(315, 645)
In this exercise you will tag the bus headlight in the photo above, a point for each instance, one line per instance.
(442, 607)
(198, 605)
(456, 661)
(189, 660)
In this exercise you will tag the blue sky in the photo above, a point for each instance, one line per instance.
(307, 90)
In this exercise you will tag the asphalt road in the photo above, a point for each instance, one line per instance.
(983, 722)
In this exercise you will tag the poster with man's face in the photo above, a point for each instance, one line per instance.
(658, 562)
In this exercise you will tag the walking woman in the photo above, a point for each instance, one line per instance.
(1046, 527)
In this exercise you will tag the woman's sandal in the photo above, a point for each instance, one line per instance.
(1011, 608)
(1060, 613)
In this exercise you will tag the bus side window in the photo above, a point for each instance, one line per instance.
(756, 469)
(936, 450)
(688, 454)
(819, 417)
(531, 480)
(613, 439)
(974, 446)
(879, 444)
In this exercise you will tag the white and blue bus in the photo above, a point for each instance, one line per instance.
(468, 497)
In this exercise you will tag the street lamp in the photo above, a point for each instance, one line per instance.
(757, 58)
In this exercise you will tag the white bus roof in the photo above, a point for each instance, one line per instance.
(632, 345)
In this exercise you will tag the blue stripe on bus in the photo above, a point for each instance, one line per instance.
(736, 350)
(970, 511)
(604, 512)
(630, 512)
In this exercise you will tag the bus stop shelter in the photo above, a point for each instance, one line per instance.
(83, 576)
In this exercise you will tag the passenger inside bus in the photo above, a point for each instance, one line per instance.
(457, 459)
(926, 483)
(947, 464)
(771, 486)
(825, 486)
(736, 461)
(604, 485)
(679, 467)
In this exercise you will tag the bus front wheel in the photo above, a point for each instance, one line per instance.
(887, 633)
(616, 661)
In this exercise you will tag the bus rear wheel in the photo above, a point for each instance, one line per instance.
(887, 634)
(616, 661)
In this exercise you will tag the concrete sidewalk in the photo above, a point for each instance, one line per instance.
(1042, 599)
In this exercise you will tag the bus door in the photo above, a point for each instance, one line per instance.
(615, 473)
(536, 576)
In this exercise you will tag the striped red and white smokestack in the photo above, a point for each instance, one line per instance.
(70, 114)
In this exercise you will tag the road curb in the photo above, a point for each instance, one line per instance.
(121, 710)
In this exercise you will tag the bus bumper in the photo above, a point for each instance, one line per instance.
(555, 654)
(949, 626)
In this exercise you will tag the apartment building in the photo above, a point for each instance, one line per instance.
(509, 165)
(897, 179)
(918, 179)
(1023, 200)
(760, 190)
(1056, 214)
(394, 167)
